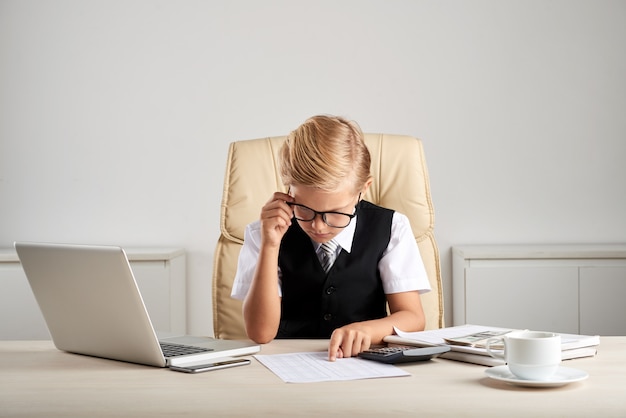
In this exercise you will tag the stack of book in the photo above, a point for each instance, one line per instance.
(467, 343)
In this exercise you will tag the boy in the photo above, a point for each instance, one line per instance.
(322, 263)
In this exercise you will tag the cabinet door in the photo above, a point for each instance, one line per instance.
(523, 297)
(20, 316)
(153, 280)
(602, 306)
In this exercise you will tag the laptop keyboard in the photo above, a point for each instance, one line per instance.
(174, 350)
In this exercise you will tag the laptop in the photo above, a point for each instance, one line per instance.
(91, 304)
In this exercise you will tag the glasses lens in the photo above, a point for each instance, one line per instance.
(303, 214)
(337, 220)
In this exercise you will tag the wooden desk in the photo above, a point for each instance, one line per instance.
(38, 380)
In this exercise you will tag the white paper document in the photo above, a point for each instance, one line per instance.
(315, 367)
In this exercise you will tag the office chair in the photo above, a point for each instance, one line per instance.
(400, 183)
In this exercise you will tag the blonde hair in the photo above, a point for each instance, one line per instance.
(325, 152)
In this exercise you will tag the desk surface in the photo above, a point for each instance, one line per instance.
(38, 380)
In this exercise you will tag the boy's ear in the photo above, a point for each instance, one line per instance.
(367, 185)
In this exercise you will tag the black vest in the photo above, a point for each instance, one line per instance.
(314, 303)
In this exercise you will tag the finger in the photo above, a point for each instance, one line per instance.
(281, 212)
(284, 197)
(356, 346)
(279, 216)
(362, 344)
(339, 353)
(349, 345)
(366, 344)
(278, 204)
(335, 346)
(280, 197)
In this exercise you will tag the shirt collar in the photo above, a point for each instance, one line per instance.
(345, 237)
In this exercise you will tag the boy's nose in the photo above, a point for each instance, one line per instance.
(318, 223)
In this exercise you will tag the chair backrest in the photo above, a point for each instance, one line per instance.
(400, 183)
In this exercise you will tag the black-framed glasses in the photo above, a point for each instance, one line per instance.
(331, 218)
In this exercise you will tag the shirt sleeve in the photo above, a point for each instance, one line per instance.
(401, 267)
(247, 262)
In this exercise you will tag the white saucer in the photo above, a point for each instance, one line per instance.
(563, 376)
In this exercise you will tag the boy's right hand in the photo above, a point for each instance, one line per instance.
(276, 218)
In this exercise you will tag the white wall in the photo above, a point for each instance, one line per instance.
(115, 116)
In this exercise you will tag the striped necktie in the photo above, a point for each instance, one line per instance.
(329, 250)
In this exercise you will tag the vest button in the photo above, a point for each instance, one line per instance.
(330, 290)
(328, 317)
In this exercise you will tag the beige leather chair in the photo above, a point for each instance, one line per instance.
(400, 183)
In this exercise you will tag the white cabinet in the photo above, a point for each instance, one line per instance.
(602, 302)
(565, 288)
(159, 272)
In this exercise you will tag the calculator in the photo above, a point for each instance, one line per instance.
(403, 354)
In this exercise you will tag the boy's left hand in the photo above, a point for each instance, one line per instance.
(348, 341)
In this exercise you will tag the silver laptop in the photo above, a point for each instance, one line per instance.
(91, 304)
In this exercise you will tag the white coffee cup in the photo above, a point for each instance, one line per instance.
(530, 355)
